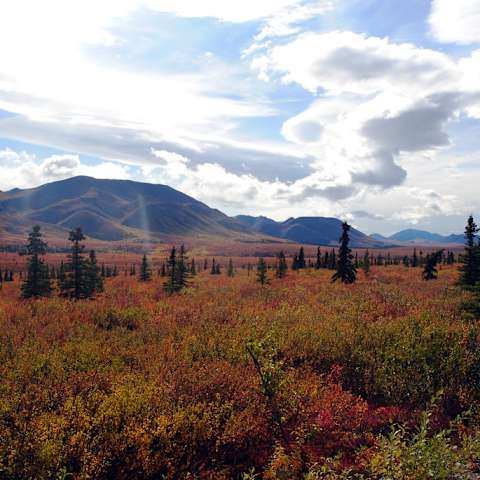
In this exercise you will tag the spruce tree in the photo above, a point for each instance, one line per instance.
(37, 282)
(301, 258)
(430, 271)
(193, 268)
(262, 277)
(94, 278)
(414, 258)
(470, 260)
(182, 269)
(145, 272)
(213, 271)
(318, 263)
(366, 262)
(74, 285)
(170, 285)
(281, 265)
(230, 270)
(346, 271)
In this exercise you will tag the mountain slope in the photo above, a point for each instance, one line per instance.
(418, 236)
(309, 230)
(114, 210)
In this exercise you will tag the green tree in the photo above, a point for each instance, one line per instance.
(301, 258)
(145, 272)
(74, 284)
(346, 271)
(430, 271)
(281, 266)
(262, 277)
(182, 269)
(37, 282)
(94, 278)
(470, 260)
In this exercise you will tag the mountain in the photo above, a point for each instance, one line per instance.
(113, 210)
(309, 230)
(421, 236)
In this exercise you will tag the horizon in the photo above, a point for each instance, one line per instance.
(364, 111)
(386, 236)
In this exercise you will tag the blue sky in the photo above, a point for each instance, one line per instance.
(367, 110)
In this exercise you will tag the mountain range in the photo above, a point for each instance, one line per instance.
(114, 210)
(420, 236)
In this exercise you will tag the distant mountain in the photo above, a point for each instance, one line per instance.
(309, 230)
(420, 236)
(114, 210)
(377, 236)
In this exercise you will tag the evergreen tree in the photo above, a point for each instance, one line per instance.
(205, 264)
(182, 269)
(177, 271)
(318, 263)
(366, 262)
(75, 281)
(301, 258)
(37, 282)
(262, 277)
(163, 271)
(346, 271)
(145, 272)
(414, 258)
(170, 285)
(94, 279)
(213, 271)
(430, 271)
(217, 269)
(470, 260)
(281, 265)
(295, 263)
(230, 270)
(193, 268)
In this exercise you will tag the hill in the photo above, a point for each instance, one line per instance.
(309, 230)
(114, 210)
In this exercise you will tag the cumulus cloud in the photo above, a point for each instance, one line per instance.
(455, 21)
(23, 170)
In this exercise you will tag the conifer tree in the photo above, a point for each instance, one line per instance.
(205, 264)
(346, 271)
(301, 258)
(430, 271)
(170, 285)
(74, 284)
(318, 263)
(94, 279)
(366, 262)
(281, 265)
(230, 270)
(163, 271)
(37, 282)
(414, 258)
(193, 268)
(145, 272)
(182, 269)
(470, 260)
(295, 263)
(262, 277)
(213, 271)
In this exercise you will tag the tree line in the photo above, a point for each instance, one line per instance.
(80, 276)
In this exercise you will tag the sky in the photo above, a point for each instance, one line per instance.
(366, 110)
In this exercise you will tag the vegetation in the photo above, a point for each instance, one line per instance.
(346, 270)
(37, 282)
(213, 377)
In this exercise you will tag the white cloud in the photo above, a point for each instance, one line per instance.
(23, 170)
(349, 62)
(455, 21)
